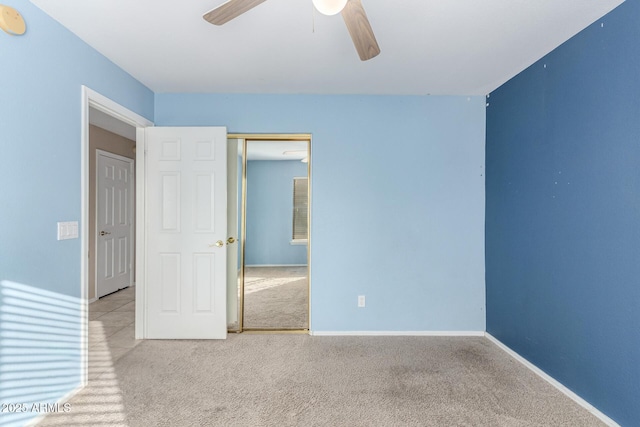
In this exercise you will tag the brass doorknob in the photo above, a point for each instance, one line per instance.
(218, 244)
(230, 240)
(104, 233)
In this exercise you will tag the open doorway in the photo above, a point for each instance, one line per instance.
(112, 148)
(273, 280)
(109, 135)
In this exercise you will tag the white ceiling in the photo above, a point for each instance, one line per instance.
(439, 47)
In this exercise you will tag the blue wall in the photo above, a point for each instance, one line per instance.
(563, 214)
(41, 77)
(269, 213)
(397, 201)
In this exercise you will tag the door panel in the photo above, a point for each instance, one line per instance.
(186, 216)
(114, 223)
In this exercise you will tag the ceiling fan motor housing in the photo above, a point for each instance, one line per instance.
(329, 7)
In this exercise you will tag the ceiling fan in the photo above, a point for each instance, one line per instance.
(352, 12)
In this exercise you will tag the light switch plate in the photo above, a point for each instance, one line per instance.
(67, 230)
(361, 301)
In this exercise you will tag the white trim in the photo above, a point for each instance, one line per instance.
(64, 399)
(92, 99)
(84, 238)
(398, 333)
(298, 242)
(548, 378)
(276, 265)
(141, 239)
(115, 110)
(114, 156)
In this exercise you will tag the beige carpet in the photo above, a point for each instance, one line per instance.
(299, 380)
(276, 298)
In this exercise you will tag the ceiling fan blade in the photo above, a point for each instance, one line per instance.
(360, 30)
(229, 10)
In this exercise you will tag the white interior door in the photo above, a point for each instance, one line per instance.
(114, 222)
(186, 190)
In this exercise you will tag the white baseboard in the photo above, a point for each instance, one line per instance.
(548, 378)
(276, 265)
(64, 399)
(399, 333)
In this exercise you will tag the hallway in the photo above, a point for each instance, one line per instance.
(111, 330)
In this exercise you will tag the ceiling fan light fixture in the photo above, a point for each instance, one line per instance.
(329, 7)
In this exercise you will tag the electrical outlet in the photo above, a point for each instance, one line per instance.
(361, 301)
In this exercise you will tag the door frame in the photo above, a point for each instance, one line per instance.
(130, 202)
(93, 99)
(244, 138)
